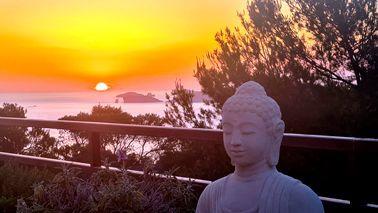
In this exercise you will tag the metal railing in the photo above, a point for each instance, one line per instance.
(351, 145)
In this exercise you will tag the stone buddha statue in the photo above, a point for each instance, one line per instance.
(252, 135)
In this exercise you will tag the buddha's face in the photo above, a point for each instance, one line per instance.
(245, 137)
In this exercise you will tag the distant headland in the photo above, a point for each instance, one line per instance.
(133, 97)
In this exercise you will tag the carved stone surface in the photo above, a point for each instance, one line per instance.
(252, 134)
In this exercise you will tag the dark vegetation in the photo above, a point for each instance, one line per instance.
(28, 189)
(318, 61)
(17, 181)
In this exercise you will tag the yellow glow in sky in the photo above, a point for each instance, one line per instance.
(120, 41)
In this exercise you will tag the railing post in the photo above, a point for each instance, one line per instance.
(95, 146)
(357, 185)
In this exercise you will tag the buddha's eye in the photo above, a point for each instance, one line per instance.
(248, 132)
(227, 131)
(247, 129)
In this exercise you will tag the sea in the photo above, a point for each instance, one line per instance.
(52, 106)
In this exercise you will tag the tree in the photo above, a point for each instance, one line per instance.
(316, 58)
(206, 160)
(344, 37)
(41, 144)
(21, 140)
(12, 139)
(138, 148)
(180, 111)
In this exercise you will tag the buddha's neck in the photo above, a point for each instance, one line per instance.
(253, 171)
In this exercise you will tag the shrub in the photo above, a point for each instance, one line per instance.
(107, 191)
(17, 181)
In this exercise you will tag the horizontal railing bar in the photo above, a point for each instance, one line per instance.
(323, 142)
(371, 205)
(184, 179)
(326, 142)
(330, 137)
(335, 200)
(155, 131)
(344, 202)
(41, 161)
(317, 143)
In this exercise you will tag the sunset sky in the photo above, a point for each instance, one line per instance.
(70, 45)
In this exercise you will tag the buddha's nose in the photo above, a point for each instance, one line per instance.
(235, 140)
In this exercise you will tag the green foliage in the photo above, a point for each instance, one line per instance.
(7, 204)
(12, 139)
(140, 149)
(17, 181)
(39, 190)
(191, 158)
(317, 59)
(344, 35)
(180, 111)
(41, 144)
(110, 191)
(77, 150)
(34, 141)
(148, 119)
(12, 110)
(201, 160)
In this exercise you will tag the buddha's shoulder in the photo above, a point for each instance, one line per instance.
(216, 186)
(302, 198)
(297, 190)
(287, 179)
(220, 181)
(210, 195)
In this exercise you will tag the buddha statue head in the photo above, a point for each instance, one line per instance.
(252, 127)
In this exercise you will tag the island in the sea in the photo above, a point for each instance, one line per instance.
(133, 97)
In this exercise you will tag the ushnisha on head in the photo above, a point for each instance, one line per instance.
(251, 98)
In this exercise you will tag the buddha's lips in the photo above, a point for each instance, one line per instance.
(237, 152)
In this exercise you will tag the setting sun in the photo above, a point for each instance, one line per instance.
(101, 86)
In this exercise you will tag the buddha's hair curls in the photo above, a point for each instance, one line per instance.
(251, 97)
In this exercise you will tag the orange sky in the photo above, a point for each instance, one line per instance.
(70, 45)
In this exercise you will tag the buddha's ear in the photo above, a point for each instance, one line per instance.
(274, 154)
(279, 130)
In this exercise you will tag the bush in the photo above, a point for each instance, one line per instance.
(109, 191)
(17, 181)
